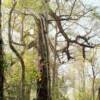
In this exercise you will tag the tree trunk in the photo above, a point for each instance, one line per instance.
(1, 61)
(54, 71)
(43, 83)
(22, 94)
(93, 83)
(28, 92)
(93, 88)
(99, 94)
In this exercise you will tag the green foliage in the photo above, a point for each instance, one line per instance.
(8, 3)
(32, 4)
(13, 72)
(8, 59)
(96, 15)
(38, 6)
(31, 72)
(81, 95)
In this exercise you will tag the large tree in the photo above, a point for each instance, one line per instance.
(43, 83)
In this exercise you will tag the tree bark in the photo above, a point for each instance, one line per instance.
(43, 83)
(1, 61)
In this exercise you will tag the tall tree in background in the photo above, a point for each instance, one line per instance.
(22, 93)
(1, 60)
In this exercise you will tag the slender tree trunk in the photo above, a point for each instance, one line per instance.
(1, 61)
(84, 79)
(54, 76)
(93, 83)
(93, 88)
(27, 92)
(22, 94)
(99, 94)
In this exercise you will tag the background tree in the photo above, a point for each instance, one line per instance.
(1, 59)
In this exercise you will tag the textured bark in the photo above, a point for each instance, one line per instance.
(43, 84)
(42, 89)
(1, 61)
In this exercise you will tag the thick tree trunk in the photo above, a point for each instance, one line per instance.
(43, 83)
(1, 61)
